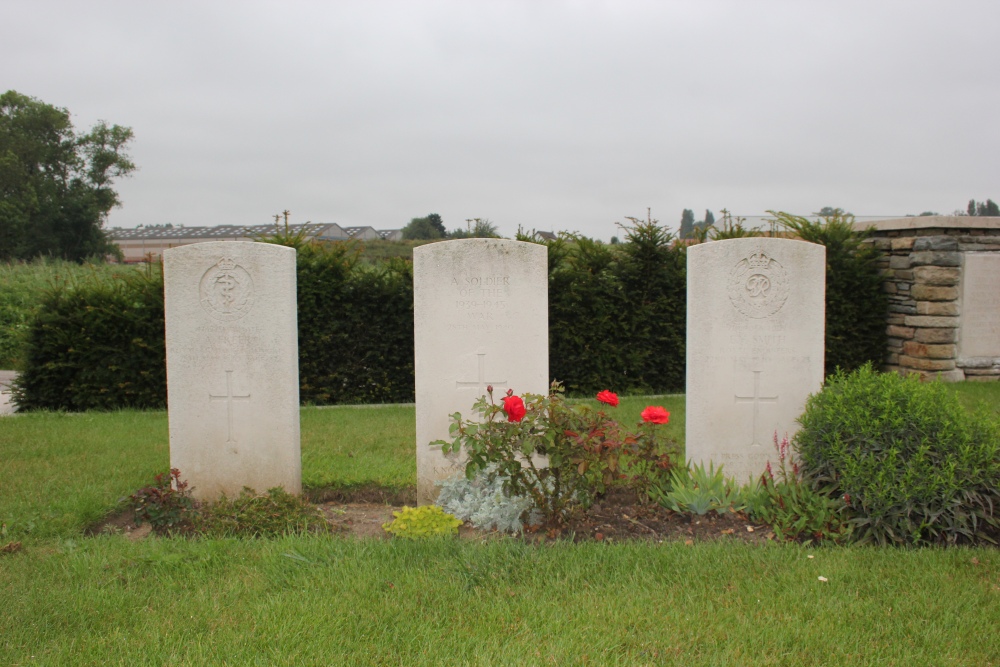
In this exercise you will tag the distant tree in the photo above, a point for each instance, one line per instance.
(422, 228)
(476, 228)
(987, 208)
(687, 224)
(55, 185)
(428, 227)
(928, 213)
(831, 212)
(437, 222)
(709, 218)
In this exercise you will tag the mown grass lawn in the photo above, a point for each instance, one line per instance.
(70, 599)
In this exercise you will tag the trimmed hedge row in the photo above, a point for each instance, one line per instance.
(97, 345)
(616, 320)
(355, 328)
(617, 313)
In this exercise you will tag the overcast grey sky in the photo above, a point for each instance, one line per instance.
(551, 115)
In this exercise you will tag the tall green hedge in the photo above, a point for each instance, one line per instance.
(616, 321)
(616, 313)
(355, 328)
(97, 345)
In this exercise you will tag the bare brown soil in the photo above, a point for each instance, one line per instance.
(615, 518)
(620, 516)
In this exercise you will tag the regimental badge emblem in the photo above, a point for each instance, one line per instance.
(227, 290)
(758, 285)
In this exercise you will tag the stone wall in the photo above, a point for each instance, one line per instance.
(928, 278)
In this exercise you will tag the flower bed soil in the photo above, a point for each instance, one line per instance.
(615, 518)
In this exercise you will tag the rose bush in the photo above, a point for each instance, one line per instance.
(556, 454)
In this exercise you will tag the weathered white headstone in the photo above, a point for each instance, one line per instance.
(232, 367)
(480, 311)
(755, 346)
(979, 325)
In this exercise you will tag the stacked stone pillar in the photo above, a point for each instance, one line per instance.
(936, 302)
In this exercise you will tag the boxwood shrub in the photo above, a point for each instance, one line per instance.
(913, 466)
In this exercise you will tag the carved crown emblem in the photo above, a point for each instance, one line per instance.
(227, 264)
(758, 260)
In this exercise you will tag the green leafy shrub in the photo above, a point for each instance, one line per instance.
(252, 515)
(909, 462)
(699, 491)
(793, 508)
(856, 306)
(167, 505)
(414, 523)
(97, 345)
(584, 450)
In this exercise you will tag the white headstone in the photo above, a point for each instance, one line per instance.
(232, 367)
(979, 327)
(480, 311)
(755, 346)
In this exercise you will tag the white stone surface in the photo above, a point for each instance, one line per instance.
(232, 367)
(755, 345)
(6, 406)
(930, 222)
(480, 310)
(979, 324)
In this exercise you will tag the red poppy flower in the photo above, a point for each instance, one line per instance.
(608, 397)
(514, 407)
(655, 414)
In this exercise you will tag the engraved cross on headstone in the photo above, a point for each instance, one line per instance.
(229, 397)
(482, 381)
(756, 399)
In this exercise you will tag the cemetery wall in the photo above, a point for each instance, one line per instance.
(942, 275)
